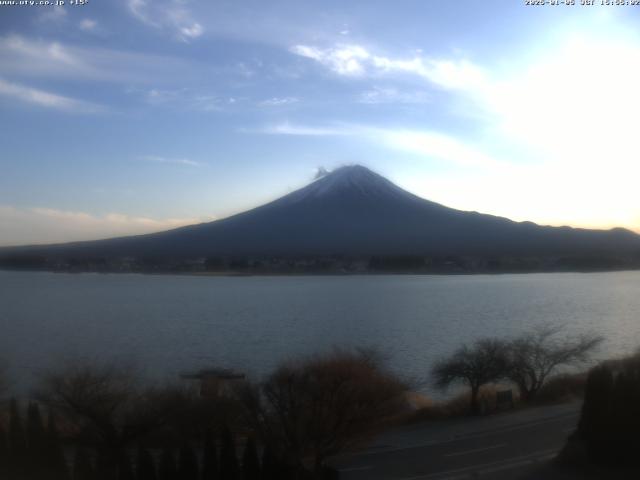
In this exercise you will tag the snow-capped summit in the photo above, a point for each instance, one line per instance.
(352, 179)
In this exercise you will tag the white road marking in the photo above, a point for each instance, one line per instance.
(476, 450)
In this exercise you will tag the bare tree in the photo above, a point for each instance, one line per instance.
(482, 362)
(534, 356)
(323, 405)
(106, 406)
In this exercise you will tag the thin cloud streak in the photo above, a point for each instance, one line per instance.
(52, 59)
(189, 99)
(45, 99)
(278, 101)
(391, 95)
(428, 144)
(172, 161)
(286, 128)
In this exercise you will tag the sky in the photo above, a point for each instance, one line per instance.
(130, 116)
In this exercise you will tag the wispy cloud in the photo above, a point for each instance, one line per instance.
(286, 128)
(525, 107)
(187, 98)
(138, 9)
(278, 101)
(193, 31)
(87, 25)
(171, 15)
(447, 73)
(437, 145)
(24, 225)
(55, 14)
(356, 61)
(158, 96)
(46, 99)
(349, 60)
(431, 145)
(380, 95)
(537, 111)
(171, 161)
(20, 55)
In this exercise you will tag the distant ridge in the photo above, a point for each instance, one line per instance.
(353, 211)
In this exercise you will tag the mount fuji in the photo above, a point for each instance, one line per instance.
(352, 211)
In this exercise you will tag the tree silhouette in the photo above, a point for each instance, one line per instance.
(209, 457)
(106, 406)
(594, 420)
(535, 355)
(125, 470)
(167, 470)
(610, 417)
(145, 466)
(322, 405)
(187, 463)
(250, 461)
(229, 469)
(271, 465)
(83, 468)
(483, 362)
(106, 465)
(36, 442)
(4, 453)
(17, 442)
(55, 461)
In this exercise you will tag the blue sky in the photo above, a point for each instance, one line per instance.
(129, 116)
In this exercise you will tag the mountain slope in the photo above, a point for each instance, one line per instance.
(354, 211)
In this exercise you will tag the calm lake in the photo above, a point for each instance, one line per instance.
(167, 324)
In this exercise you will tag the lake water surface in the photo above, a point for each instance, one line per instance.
(168, 323)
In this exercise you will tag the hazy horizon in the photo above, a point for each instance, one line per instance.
(133, 116)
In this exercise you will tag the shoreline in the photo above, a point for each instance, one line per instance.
(321, 274)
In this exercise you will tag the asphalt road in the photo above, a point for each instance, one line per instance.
(503, 446)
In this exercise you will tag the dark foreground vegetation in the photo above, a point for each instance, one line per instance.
(101, 422)
(97, 423)
(607, 433)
